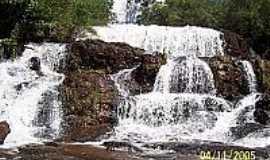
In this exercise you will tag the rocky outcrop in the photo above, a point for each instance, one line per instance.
(99, 55)
(230, 80)
(34, 64)
(262, 110)
(144, 75)
(89, 99)
(4, 131)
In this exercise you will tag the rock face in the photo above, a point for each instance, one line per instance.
(99, 55)
(229, 78)
(35, 64)
(262, 110)
(144, 76)
(89, 103)
(4, 131)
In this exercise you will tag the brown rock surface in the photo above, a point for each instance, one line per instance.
(229, 78)
(4, 131)
(99, 55)
(89, 99)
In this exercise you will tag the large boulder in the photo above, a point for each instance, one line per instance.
(262, 110)
(90, 100)
(231, 82)
(99, 55)
(4, 131)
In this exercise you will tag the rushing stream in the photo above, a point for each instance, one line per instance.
(29, 100)
(182, 106)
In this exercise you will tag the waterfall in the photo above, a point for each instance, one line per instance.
(122, 79)
(120, 10)
(23, 94)
(128, 11)
(183, 104)
(251, 76)
(174, 41)
(187, 75)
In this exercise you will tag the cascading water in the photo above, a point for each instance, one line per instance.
(121, 80)
(24, 94)
(185, 74)
(128, 11)
(251, 76)
(175, 41)
(183, 103)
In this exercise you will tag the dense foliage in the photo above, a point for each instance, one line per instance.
(250, 18)
(32, 20)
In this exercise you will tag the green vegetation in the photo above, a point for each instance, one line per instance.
(250, 18)
(52, 20)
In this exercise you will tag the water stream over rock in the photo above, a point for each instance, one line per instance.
(28, 93)
(183, 103)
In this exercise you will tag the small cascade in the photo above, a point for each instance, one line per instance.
(250, 74)
(122, 81)
(185, 75)
(128, 11)
(29, 99)
(120, 9)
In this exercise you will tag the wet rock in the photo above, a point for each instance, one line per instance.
(34, 64)
(112, 145)
(262, 110)
(145, 74)
(243, 130)
(109, 57)
(99, 55)
(230, 80)
(89, 99)
(195, 147)
(84, 152)
(4, 131)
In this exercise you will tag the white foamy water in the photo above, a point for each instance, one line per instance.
(22, 91)
(165, 117)
(183, 103)
(122, 79)
(185, 75)
(128, 11)
(174, 41)
(251, 76)
(120, 10)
